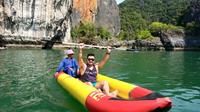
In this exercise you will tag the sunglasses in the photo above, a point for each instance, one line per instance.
(92, 59)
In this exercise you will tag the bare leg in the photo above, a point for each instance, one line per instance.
(105, 86)
(114, 93)
(89, 83)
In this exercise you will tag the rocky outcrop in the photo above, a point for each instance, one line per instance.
(101, 12)
(154, 44)
(173, 40)
(135, 45)
(170, 40)
(32, 21)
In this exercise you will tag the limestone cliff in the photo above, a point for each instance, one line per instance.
(33, 20)
(101, 12)
(30, 21)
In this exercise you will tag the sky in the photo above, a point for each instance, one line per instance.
(119, 1)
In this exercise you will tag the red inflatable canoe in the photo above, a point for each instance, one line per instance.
(131, 98)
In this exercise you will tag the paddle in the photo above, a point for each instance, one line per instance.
(90, 46)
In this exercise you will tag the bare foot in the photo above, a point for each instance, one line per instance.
(163, 101)
(114, 93)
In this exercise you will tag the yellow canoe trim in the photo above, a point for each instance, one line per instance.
(123, 87)
(75, 87)
(80, 90)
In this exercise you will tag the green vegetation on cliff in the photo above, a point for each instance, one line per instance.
(89, 33)
(138, 15)
(158, 26)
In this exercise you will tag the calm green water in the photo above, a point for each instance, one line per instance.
(27, 83)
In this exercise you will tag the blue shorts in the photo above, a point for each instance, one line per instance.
(94, 83)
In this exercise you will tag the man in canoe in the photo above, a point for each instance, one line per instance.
(89, 71)
(69, 65)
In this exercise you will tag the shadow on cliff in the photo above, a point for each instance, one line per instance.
(2, 42)
(48, 44)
